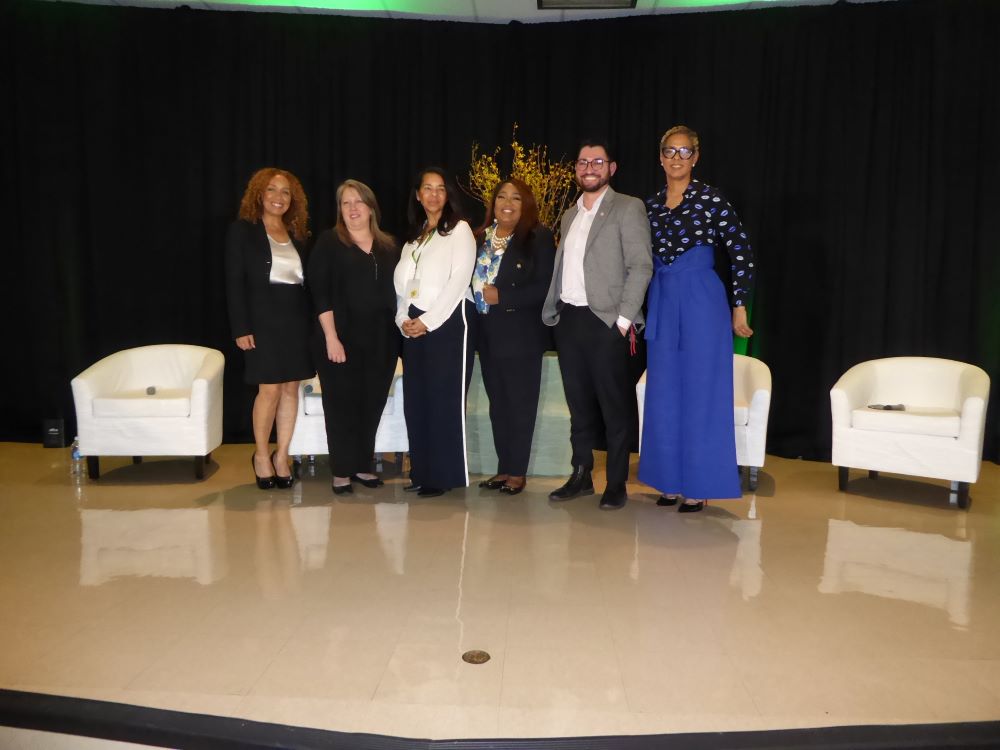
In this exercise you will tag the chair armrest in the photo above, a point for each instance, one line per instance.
(974, 392)
(97, 380)
(852, 391)
(207, 380)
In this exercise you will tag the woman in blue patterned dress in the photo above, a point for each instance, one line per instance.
(688, 445)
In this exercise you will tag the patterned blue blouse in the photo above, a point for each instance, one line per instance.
(704, 217)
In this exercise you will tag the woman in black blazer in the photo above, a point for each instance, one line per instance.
(513, 271)
(269, 311)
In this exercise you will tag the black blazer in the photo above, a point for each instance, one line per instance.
(248, 272)
(514, 327)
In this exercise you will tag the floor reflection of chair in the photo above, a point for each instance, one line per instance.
(171, 543)
(912, 566)
(312, 532)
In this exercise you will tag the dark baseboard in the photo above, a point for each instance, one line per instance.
(188, 731)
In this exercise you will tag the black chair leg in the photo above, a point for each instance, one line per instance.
(199, 467)
(843, 473)
(752, 477)
(93, 467)
(963, 495)
(872, 474)
(137, 459)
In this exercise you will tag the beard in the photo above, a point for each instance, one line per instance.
(594, 187)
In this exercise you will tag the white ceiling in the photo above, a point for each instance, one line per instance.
(479, 11)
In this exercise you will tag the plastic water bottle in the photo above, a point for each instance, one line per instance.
(76, 462)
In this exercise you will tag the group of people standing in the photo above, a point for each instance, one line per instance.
(503, 288)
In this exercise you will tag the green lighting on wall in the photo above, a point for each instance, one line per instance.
(449, 8)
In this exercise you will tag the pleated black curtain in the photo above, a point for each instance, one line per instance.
(858, 142)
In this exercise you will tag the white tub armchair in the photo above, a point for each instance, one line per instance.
(162, 400)
(751, 408)
(938, 434)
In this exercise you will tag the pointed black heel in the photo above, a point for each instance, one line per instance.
(263, 483)
(284, 483)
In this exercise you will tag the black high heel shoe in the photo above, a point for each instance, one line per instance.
(263, 483)
(369, 483)
(691, 507)
(284, 483)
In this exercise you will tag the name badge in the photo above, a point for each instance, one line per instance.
(412, 288)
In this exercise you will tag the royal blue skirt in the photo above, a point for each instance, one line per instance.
(688, 439)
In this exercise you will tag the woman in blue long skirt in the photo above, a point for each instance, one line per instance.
(688, 443)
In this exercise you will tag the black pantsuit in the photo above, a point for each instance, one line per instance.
(436, 376)
(357, 287)
(600, 390)
(511, 339)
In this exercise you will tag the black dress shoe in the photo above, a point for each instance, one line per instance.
(491, 484)
(430, 492)
(613, 499)
(263, 483)
(578, 485)
(342, 489)
(284, 483)
(691, 507)
(369, 483)
(411, 487)
(665, 502)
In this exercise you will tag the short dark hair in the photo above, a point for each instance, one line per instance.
(596, 143)
(415, 214)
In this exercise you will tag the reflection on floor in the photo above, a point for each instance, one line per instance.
(797, 606)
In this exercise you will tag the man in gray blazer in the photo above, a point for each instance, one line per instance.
(603, 266)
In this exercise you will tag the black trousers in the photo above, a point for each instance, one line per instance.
(354, 394)
(512, 385)
(600, 390)
(437, 369)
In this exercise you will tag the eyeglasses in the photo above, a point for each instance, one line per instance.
(684, 152)
(596, 163)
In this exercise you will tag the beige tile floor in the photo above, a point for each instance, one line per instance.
(797, 606)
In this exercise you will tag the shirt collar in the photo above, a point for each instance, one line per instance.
(597, 203)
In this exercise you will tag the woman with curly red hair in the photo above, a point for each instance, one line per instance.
(269, 311)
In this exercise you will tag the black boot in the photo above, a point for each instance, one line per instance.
(578, 485)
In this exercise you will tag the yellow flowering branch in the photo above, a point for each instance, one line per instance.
(552, 182)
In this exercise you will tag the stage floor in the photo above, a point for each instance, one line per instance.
(797, 606)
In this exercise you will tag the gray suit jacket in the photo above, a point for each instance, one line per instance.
(617, 262)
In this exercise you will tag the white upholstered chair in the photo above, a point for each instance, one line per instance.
(751, 407)
(938, 434)
(161, 400)
(309, 436)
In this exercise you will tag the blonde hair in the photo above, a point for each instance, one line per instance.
(368, 198)
(680, 130)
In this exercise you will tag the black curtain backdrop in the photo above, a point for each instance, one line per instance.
(858, 142)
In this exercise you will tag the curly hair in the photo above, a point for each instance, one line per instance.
(296, 218)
